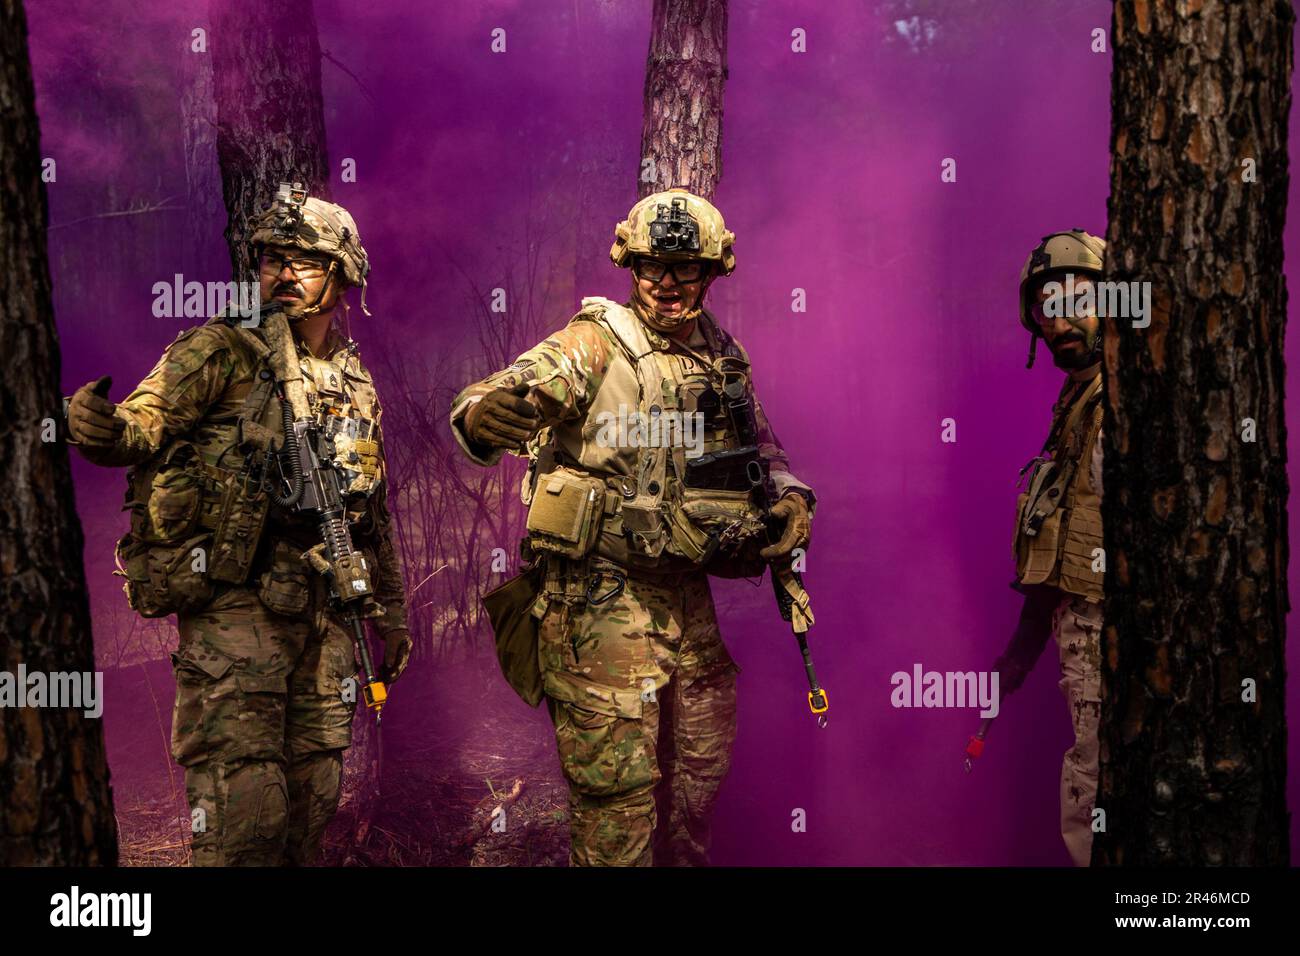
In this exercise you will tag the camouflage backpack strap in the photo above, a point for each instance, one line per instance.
(643, 513)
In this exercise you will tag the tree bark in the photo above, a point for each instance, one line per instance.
(1194, 510)
(270, 115)
(686, 71)
(56, 807)
(203, 186)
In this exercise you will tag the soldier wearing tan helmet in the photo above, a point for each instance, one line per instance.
(1058, 540)
(263, 705)
(626, 649)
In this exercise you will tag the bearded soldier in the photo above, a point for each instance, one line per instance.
(264, 667)
(644, 437)
(1058, 542)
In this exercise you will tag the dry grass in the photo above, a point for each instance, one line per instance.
(437, 786)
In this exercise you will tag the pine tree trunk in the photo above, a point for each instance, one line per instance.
(685, 75)
(56, 808)
(270, 116)
(203, 187)
(1195, 495)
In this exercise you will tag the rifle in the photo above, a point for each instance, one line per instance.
(712, 471)
(316, 488)
(787, 584)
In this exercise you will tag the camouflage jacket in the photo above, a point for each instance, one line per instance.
(569, 368)
(196, 394)
(607, 370)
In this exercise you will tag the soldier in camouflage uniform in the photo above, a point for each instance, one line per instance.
(1058, 542)
(265, 671)
(640, 687)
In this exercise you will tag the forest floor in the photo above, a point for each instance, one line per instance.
(439, 786)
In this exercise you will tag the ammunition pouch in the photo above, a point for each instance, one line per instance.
(237, 528)
(724, 470)
(565, 514)
(173, 505)
(515, 628)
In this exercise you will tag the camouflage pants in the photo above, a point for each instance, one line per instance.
(260, 727)
(1077, 627)
(642, 693)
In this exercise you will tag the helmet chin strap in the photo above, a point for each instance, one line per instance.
(315, 307)
(662, 323)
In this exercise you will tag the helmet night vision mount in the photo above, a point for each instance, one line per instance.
(674, 230)
(289, 203)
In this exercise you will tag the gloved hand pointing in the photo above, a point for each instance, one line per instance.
(503, 418)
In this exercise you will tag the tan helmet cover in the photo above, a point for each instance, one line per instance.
(324, 227)
(1073, 251)
(632, 235)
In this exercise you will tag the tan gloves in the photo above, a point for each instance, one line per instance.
(503, 418)
(91, 416)
(796, 533)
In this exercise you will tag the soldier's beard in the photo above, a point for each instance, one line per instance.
(1074, 360)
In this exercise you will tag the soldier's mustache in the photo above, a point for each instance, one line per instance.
(287, 290)
(1070, 337)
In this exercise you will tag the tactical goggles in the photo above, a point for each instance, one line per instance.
(652, 270)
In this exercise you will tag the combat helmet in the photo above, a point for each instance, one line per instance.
(1059, 252)
(314, 225)
(675, 224)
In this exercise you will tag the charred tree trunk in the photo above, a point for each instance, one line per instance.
(685, 75)
(56, 808)
(1193, 761)
(270, 116)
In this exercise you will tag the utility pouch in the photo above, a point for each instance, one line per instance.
(284, 587)
(510, 609)
(161, 579)
(709, 522)
(565, 513)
